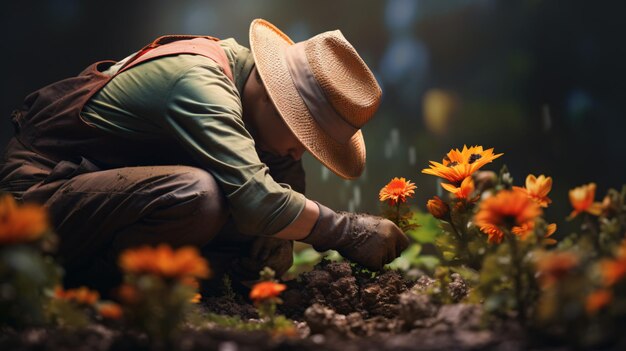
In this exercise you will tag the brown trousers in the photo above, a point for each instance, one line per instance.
(99, 213)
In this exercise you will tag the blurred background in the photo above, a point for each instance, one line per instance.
(541, 81)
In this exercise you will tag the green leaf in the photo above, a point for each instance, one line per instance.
(307, 256)
(428, 228)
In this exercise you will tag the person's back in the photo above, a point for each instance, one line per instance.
(198, 142)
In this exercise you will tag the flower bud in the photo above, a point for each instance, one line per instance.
(438, 208)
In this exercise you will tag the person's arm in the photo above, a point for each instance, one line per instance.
(302, 225)
(204, 112)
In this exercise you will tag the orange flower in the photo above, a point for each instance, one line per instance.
(464, 191)
(165, 262)
(266, 290)
(396, 191)
(613, 270)
(581, 199)
(553, 266)
(82, 295)
(460, 164)
(597, 300)
(507, 209)
(196, 298)
(550, 229)
(537, 188)
(523, 230)
(20, 224)
(438, 208)
(110, 310)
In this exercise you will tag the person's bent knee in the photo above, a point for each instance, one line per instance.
(209, 209)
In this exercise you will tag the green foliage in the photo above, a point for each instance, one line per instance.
(266, 306)
(412, 258)
(68, 314)
(507, 281)
(227, 288)
(564, 310)
(280, 326)
(27, 277)
(427, 230)
(160, 308)
(400, 214)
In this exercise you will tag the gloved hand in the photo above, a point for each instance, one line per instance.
(369, 240)
(265, 251)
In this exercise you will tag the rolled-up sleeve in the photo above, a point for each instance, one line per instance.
(204, 113)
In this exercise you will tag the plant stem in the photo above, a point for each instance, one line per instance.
(462, 240)
(594, 232)
(517, 279)
(398, 213)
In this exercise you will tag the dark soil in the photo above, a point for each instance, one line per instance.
(334, 309)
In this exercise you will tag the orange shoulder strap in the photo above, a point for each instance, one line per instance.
(182, 44)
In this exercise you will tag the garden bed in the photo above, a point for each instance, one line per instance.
(333, 308)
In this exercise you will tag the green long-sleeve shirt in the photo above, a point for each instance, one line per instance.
(190, 97)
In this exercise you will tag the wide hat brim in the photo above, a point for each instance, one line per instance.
(268, 45)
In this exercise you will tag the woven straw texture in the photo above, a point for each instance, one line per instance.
(347, 83)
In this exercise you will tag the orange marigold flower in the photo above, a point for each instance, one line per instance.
(553, 266)
(613, 270)
(460, 164)
(507, 209)
(396, 191)
(581, 199)
(196, 298)
(597, 300)
(464, 191)
(20, 224)
(537, 188)
(82, 295)
(165, 262)
(110, 310)
(266, 290)
(438, 208)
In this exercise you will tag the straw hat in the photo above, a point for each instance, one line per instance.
(322, 89)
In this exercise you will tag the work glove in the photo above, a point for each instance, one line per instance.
(369, 240)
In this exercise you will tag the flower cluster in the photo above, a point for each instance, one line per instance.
(21, 224)
(161, 287)
(492, 226)
(81, 296)
(459, 165)
(613, 271)
(164, 262)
